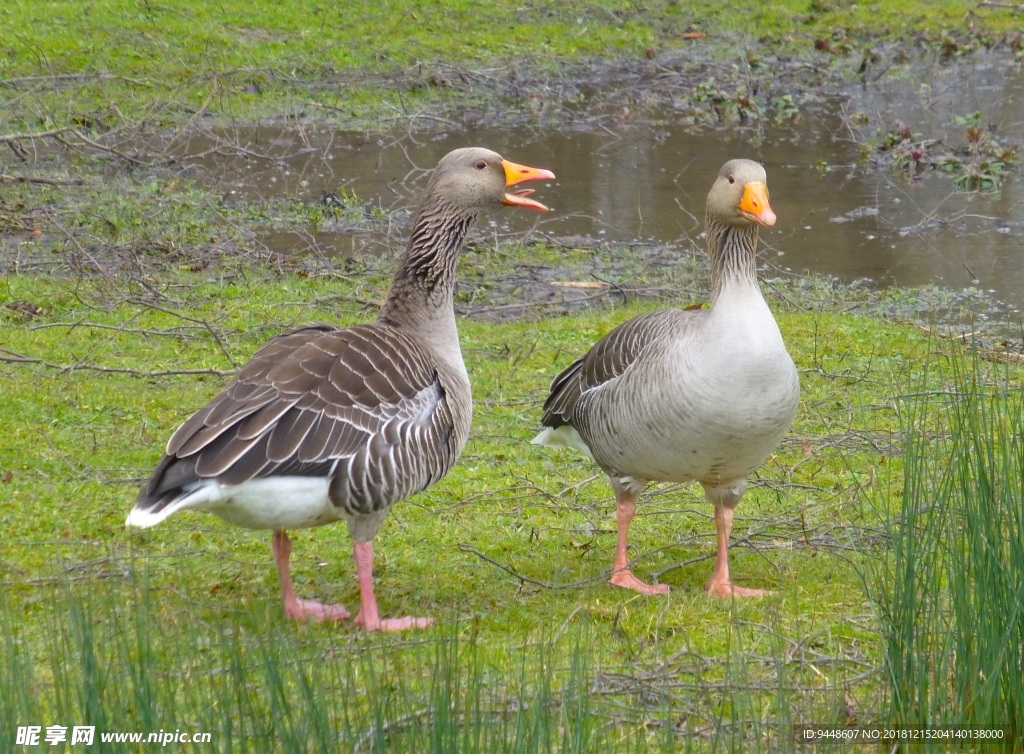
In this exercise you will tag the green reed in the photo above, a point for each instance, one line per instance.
(113, 659)
(951, 590)
(122, 656)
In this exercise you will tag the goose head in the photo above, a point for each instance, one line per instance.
(474, 178)
(739, 196)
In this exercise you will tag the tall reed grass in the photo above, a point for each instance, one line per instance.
(121, 656)
(951, 588)
(110, 659)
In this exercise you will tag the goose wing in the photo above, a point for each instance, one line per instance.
(311, 398)
(609, 358)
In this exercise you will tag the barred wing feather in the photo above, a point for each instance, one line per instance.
(366, 401)
(608, 359)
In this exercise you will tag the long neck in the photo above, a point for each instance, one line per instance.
(424, 283)
(419, 301)
(733, 255)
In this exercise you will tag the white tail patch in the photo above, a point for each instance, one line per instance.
(562, 437)
(206, 492)
(288, 502)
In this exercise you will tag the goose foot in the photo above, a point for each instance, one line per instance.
(299, 609)
(720, 584)
(728, 590)
(294, 607)
(369, 619)
(625, 508)
(391, 624)
(627, 580)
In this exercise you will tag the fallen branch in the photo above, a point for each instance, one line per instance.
(7, 138)
(12, 357)
(529, 579)
(539, 304)
(100, 147)
(79, 77)
(116, 328)
(47, 181)
(201, 322)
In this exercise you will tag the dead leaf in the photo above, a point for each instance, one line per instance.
(579, 284)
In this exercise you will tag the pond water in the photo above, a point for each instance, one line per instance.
(646, 181)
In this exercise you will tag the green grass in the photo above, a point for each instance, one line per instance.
(92, 65)
(867, 520)
(256, 685)
(951, 590)
(182, 625)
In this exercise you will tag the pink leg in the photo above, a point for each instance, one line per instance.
(719, 583)
(368, 618)
(621, 575)
(294, 607)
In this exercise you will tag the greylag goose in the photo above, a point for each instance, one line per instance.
(328, 422)
(678, 396)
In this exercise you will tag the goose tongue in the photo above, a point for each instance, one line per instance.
(518, 198)
(517, 174)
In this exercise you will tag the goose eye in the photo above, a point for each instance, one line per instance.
(480, 165)
(732, 179)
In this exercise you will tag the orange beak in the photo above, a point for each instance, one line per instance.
(517, 174)
(754, 205)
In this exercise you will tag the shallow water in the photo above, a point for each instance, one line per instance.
(647, 181)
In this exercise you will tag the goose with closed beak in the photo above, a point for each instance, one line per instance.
(677, 396)
(329, 423)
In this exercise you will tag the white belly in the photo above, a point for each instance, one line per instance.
(270, 503)
(707, 420)
(707, 449)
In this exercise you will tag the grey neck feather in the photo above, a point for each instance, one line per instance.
(425, 279)
(733, 253)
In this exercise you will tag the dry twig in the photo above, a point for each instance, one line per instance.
(11, 357)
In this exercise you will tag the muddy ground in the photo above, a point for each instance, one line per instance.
(124, 200)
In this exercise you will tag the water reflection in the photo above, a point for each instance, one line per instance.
(837, 216)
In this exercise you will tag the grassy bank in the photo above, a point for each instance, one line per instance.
(101, 66)
(888, 522)
(182, 624)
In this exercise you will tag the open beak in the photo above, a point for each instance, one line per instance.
(754, 205)
(517, 174)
